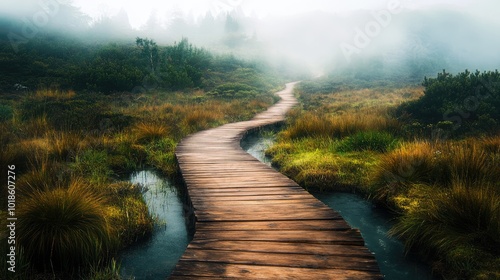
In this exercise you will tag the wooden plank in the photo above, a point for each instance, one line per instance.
(338, 224)
(246, 189)
(238, 271)
(242, 191)
(262, 217)
(249, 198)
(350, 237)
(271, 212)
(219, 184)
(281, 259)
(263, 205)
(255, 223)
(256, 203)
(283, 247)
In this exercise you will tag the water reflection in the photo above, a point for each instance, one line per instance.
(374, 224)
(156, 257)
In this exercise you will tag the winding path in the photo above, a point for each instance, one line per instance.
(255, 223)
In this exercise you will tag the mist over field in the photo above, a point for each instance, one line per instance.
(399, 39)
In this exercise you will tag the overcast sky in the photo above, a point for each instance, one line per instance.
(140, 11)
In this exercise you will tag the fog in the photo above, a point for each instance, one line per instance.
(370, 39)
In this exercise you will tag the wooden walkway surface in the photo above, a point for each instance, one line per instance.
(255, 223)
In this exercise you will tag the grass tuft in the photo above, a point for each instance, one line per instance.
(64, 228)
(199, 118)
(410, 164)
(461, 227)
(470, 164)
(149, 131)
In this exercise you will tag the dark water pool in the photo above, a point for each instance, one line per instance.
(156, 257)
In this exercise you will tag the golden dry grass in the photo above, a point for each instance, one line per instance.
(149, 131)
(54, 93)
(311, 124)
(64, 227)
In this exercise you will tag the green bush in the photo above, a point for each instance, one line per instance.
(465, 102)
(80, 112)
(110, 75)
(368, 141)
(233, 90)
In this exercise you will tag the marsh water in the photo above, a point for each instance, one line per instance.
(156, 257)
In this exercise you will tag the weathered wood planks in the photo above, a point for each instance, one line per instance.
(255, 223)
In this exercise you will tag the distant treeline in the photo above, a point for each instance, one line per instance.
(56, 61)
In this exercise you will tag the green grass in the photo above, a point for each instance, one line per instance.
(127, 212)
(368, 141)
(161, 154)
(93, 164)
(315, 163)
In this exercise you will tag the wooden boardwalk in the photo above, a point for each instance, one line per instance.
(255, 223)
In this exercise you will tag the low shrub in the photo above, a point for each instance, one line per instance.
(68, 111)
(233, 90)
